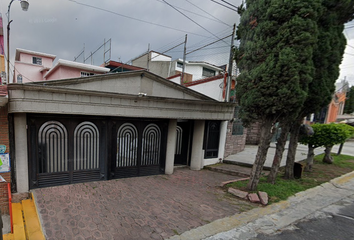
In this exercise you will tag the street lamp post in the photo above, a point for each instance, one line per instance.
(24, 6)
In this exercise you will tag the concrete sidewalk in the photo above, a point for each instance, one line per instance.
(248, 156)
(278, 216)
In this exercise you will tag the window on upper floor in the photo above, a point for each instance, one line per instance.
(208, 72)
(86, 74)
(179, 65)
(19, 78)
(37, 60)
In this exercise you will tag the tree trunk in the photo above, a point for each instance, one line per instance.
(340, 148)
(328, 157)
(279, 150)
(265, 138)
(290, 160)
(309, 160)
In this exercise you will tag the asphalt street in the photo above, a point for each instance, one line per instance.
(333, 222)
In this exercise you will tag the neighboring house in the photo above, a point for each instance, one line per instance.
(33, 66)
(204, 78)
(120, 67)
(163, 66)
(138, 124)
(336, 107)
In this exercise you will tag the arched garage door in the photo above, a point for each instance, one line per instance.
(72, 149)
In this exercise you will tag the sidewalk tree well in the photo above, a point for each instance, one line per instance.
(275, 61)
(325, 135)
(327, 57)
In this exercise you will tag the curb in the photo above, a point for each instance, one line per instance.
(266, 220)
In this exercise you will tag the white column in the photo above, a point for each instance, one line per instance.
(171, 146)
(222, 139)
(21, 152)
(197, 145)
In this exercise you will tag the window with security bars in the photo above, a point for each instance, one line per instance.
(37, 60)
(86, 74)
(237, 127)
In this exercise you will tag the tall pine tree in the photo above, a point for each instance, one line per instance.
(327, 57)
(275, 62)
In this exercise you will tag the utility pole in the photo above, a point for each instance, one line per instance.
(184, 60)
(229, 74)
(148, 57)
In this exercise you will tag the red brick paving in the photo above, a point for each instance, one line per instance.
(153, 207)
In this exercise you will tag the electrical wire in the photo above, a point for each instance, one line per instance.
(229, 4)
(191, 19)
(207, 45)
(224, 5)
(223, 32)
(350, 54)
(217, 19)
(136, 19)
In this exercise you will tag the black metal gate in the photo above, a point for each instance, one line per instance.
(141, 148)
(183, 140)
(211, 139)
(71, 149)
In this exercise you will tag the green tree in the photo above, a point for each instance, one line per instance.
(327, 57)
(349, 103)
(326, 135)
(275, 62)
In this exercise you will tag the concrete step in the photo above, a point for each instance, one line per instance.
(26, 225)
(230, 169)
(33, 226)
(18, 223)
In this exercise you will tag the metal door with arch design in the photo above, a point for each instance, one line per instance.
(183, 140)
(65, 150)
(140, 148)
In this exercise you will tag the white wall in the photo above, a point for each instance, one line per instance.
(211, 89)
(21, 152)
(158, 57)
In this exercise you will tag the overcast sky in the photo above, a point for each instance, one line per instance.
(64, 27)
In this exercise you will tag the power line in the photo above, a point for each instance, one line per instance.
(229, 4)
(207, 45)
(205, 40)
(350, 46)
(169, 44)
(349, 54)
(191, 19)
(136, 19)
(208, 13)
(215, 20)
(224, 5)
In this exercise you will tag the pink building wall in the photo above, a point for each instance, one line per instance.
(27, 58)
(2, 49)
(29, 72)
(65, 72)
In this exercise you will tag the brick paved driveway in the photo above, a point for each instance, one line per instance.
(153, 207)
